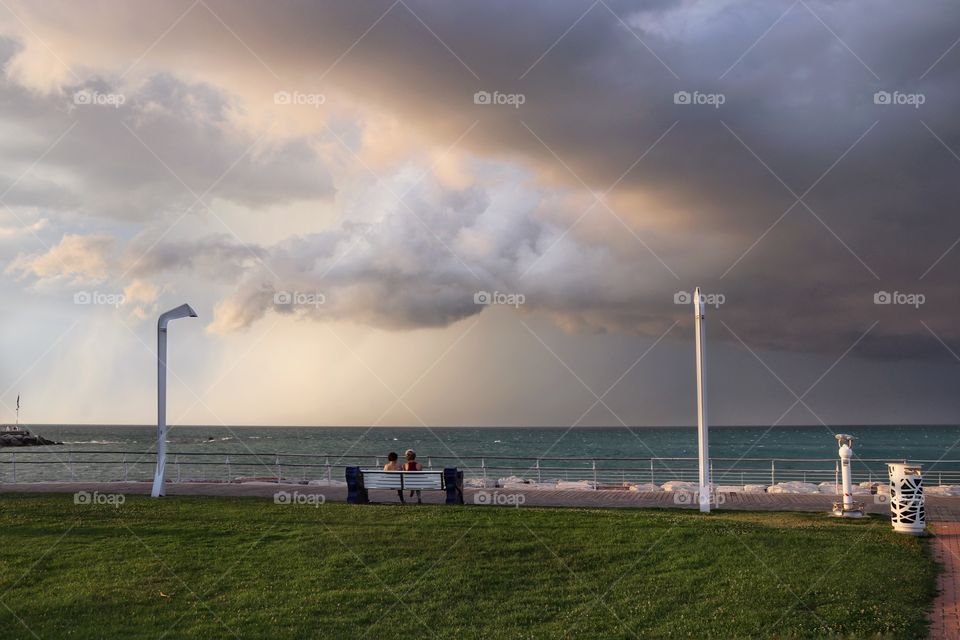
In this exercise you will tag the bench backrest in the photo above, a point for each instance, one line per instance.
(379, 479)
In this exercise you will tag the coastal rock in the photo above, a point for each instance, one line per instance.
(754, 488)
(862, 489)
(873, 487)
(943, 490)
(544, 484)
(586, 485)
(865, 488)
(513, 482)
(24, 439)
(323, 482)
(679, 485)
(794, 487)
(480, 483)
(728, 488)
(647, 487)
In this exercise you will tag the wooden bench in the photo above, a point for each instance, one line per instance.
(359, 481)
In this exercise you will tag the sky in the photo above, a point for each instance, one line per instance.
(422, 213)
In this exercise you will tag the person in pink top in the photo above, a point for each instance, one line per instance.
(412, 465)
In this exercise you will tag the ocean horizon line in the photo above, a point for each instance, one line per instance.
(475, 426)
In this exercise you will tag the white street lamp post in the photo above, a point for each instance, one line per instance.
(703, 440)
(183, 311)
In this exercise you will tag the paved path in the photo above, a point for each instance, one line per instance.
(939, 509)
(945, 617)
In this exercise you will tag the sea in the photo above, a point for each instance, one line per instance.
(913, 442)
(86, 446)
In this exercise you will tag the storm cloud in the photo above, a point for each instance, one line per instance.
(796, 159)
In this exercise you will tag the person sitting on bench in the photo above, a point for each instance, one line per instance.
(412, 465)
(393, 465)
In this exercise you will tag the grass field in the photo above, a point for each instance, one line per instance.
(245, 567)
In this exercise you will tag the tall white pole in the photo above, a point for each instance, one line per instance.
(183, 311)
(703, 439)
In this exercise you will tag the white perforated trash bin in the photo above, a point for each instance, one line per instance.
(906, 498)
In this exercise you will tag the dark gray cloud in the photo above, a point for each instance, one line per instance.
(166, 143)
(880, 211)
(799, 114)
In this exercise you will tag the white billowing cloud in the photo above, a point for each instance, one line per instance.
(142, 295)
(13, 231)
(36, 67)
(422, 263)
(77, 259)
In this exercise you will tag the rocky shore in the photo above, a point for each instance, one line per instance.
(23, 438)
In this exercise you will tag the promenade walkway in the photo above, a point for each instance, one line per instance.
(939, 509)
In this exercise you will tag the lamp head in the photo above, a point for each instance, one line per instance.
(183, 311)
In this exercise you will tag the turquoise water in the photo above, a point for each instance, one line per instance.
(889, 442)
(303, 453)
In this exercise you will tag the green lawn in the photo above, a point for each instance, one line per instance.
(215, 567)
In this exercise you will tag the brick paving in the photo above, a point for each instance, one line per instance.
(945, 616)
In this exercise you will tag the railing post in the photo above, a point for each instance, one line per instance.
(227, 462)
(279, 473)
(176, 461)
(329, 476)
(538, 470)
(594, 473)
(652, 481)
(773, 472)
(940, 476)
(836, 476)
(73, 475)
(124, 467)
(483, 465)
(14, 461)
(429, 462)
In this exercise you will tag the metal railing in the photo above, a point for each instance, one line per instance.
(35, 465)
